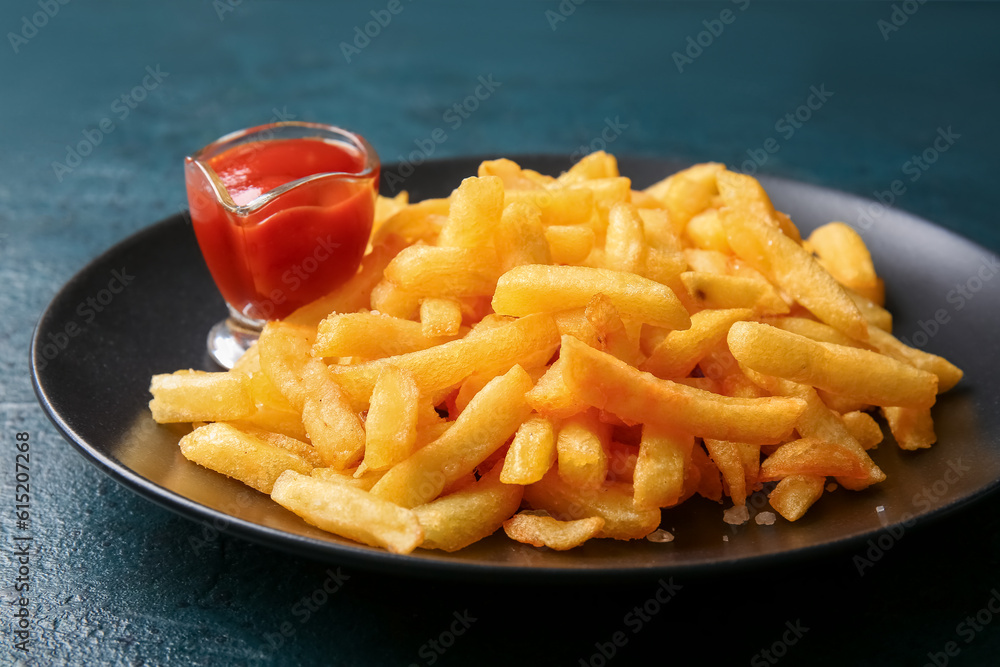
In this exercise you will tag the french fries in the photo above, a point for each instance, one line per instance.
(569, 347)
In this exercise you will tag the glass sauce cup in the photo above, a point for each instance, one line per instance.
(282, 213)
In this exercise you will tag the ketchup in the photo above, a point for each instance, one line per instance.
(270, 260)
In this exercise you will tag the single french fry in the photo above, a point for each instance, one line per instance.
(475, 211)
(531, 453)
(391, 425)
(284, 352)
(809, 456)
(249, 363)
(387, 298)
(370, 335)
(294, 445)
(552, 397)
(680, 351)
(593, 166)
(818, 331)
(440, 317)
(546, 531)
(445, 271)
(664, 266)
(843, 253)
(189, 396)
(471, 386)
(637, 397)
(862, 374)
(706, 231)
(841, 402)
(538, 289)
(459, 519)
(334, 427)
(350, 512)
(657, 230)
(874, 314)
(582, 450)
(559, 206)
(713, 290)
(625, 242)
(569, 244)
(234, 453)
(743, 192)
(864, 428)
(512, 175)
(276, 420)
(726, 455)
(912, 428)
(795, 494)
(659, 469)
(483, 427)
(264, 393)
(520, 237)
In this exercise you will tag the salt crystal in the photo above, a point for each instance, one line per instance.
(831, 487)
(736, 515)
(764, 518)
(725, 538)
(660, 535)
(880, 511)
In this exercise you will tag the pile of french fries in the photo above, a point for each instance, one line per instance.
(565, 357)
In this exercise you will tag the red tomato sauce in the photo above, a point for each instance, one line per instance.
(297, 247)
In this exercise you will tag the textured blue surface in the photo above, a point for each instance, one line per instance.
(116, 580)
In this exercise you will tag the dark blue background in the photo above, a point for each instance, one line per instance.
(117, 580)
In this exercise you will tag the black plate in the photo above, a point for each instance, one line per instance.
(100, 340)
